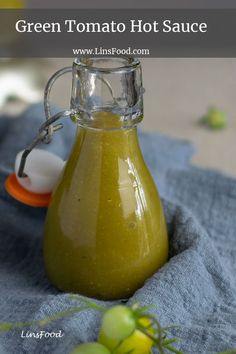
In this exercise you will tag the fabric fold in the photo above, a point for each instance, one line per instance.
(195, 290)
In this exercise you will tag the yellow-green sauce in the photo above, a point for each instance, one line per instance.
(105, 231)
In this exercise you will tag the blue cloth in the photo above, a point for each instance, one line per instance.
(196, 289)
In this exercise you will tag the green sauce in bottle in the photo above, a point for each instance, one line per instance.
(105, 230)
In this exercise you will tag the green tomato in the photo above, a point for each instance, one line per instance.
(136, 343)
(118, 322)
(215, 119)
(90, 348)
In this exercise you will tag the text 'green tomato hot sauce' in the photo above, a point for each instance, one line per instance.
(105, 231)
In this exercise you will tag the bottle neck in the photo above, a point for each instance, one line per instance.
(105, 120)
(110, 84)
(110, 142)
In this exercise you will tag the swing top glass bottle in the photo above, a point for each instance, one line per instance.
(105, 231)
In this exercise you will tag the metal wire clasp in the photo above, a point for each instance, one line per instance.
(47, 129)
(45, 134)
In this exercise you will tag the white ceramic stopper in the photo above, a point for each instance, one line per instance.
(43, 169)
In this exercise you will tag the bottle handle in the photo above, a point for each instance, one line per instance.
(47, 109)
(47, 128)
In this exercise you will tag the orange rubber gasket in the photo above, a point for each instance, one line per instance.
(13, 187)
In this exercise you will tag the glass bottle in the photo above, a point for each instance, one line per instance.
(105, 231)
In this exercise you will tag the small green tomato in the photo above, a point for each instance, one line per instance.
(215, 119)
(118, 322)
(136, 343)
(90, 348)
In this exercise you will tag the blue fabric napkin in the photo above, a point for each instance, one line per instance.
(196, 289)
